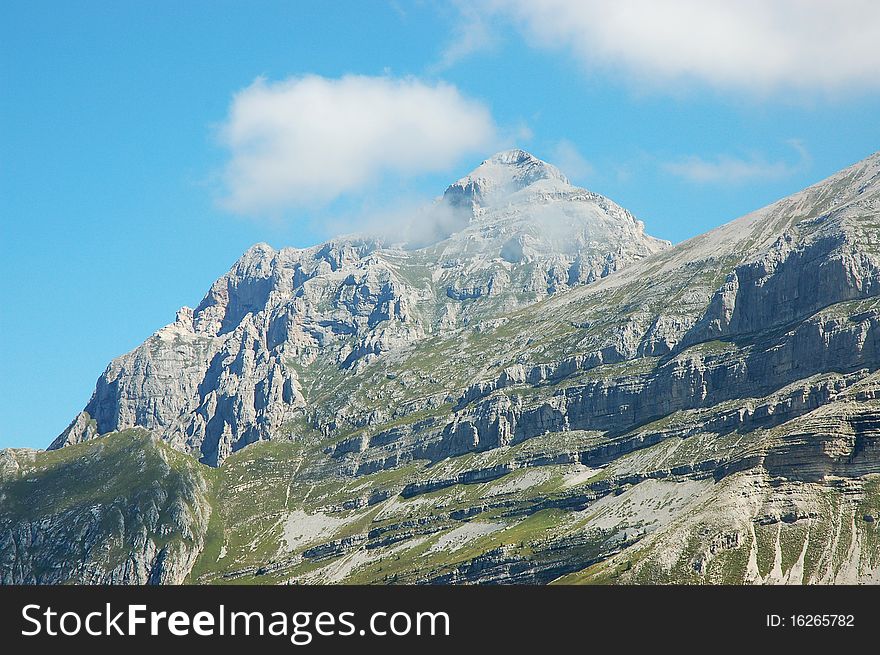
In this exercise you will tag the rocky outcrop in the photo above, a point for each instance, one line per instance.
(138, 515)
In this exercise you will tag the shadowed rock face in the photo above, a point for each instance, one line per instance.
(546, 395)
(128, 511)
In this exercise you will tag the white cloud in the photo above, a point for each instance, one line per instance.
(471, 34)
(307, 140)
(409, 221)
(725, 169)
(754, 45)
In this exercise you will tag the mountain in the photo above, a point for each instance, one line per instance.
(545, 394)
(249, 362)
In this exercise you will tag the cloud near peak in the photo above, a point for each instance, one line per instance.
(730, 170)
(307, 140)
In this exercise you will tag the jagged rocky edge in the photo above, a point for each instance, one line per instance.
(220, 377)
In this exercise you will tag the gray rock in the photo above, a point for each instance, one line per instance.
(543, 394)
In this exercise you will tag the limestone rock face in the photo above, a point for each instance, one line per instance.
(227, 374)
(141, 518)
(544, 395)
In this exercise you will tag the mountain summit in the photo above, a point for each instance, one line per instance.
(523, 209)
(503, 175)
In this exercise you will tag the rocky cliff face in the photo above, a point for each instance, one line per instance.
(508, 404)
(128, 511)
(229, 373)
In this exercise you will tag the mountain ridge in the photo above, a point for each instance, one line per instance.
(706, 413)
(313, 302)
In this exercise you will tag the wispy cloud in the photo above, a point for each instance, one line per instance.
(307, 140)
(751, 45)
(402, 220)
(472, 33)
(725, 169)
(570, 161)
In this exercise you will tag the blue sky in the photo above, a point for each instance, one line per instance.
(145, 146)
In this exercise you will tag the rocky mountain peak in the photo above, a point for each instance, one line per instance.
(504, 174)
(240, 367)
